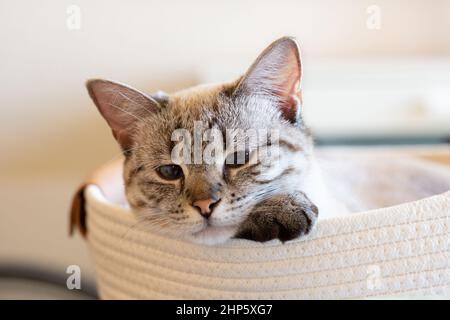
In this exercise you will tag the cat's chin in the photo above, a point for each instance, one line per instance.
(212, 235)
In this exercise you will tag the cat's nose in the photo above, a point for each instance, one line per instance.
(206, 206)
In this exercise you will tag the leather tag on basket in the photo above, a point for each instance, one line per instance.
(77, 218)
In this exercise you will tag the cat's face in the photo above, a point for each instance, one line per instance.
(242, 142)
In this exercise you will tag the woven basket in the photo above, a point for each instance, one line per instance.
(401, 250)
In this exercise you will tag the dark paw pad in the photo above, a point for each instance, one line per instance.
(283, 217)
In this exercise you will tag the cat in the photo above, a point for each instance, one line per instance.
(210, 203)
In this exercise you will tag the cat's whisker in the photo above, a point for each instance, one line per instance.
(123, 237)
(256, 197)
(161, 227)
(121, 153)
(140, 219)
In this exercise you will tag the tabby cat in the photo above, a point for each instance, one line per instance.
(266, 189)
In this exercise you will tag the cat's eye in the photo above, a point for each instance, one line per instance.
(170, 172)
(237, 159)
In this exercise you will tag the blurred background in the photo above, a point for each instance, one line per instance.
(375, 72)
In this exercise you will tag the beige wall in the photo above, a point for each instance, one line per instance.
(48, 122)
(50, 133)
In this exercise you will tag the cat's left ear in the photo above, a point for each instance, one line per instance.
(276, 75)
(121, 106)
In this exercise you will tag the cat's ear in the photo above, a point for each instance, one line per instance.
(121, 106)
(276, 75)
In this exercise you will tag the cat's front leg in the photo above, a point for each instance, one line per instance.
(284, 217)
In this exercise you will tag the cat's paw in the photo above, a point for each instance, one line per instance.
(283, 217)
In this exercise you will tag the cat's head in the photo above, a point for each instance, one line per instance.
(254, 145)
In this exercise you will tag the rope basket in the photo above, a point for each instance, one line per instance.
(400, 250)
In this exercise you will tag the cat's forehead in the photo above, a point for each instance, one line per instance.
(198, 99)
(216, 105)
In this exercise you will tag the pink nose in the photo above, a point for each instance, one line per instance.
(206, 206)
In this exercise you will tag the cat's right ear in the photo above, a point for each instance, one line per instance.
(276, 74)
(121, 106)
